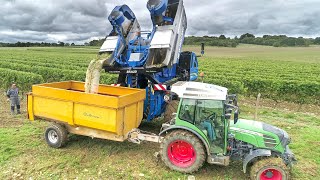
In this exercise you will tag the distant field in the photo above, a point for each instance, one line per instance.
(24, 154)
(284, 54)
(52, 64)
(281, 74)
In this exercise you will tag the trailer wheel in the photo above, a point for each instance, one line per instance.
(56, 135)
(269, 169)
(171, 108)
(182, 151)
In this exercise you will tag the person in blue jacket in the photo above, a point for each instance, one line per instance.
(13, 95)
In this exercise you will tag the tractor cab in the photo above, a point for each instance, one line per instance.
(207, 116)
(206, 109)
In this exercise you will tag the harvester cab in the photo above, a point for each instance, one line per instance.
(203, 130)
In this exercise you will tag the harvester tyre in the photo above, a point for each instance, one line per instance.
(269, 168)
(182, 151)
(172, 107)
(56, 135)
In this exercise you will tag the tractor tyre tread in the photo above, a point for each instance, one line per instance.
(270, 162)
(190, 138)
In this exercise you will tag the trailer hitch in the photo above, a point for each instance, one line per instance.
(137, 136)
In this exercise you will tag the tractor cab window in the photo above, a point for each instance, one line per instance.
(187, 110)
(208, 118)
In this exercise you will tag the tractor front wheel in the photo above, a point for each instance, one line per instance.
(182, 151)
(269, 169)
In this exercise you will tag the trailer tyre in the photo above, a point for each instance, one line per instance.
(171, 108)
(182, 151)
(269, 168)
(56, 135)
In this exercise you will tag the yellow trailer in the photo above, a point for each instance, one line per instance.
(111, 114)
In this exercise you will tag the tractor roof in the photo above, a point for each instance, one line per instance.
(197, 90)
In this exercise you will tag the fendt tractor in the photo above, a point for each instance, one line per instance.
(157, 79)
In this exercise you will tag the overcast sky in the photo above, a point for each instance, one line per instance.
(83, 20)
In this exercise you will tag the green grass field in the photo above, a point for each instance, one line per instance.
(24, 154)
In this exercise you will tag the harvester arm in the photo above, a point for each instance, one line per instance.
(125, 29)
(169, 26)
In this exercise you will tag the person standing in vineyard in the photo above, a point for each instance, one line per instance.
(13, 95)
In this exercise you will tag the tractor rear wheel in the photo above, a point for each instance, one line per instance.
(269, 169)
(56, 135)
(182, 151)
(172, 107)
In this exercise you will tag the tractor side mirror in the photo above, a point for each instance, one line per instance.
(235, 102)
(229, 111)
(236, 116)
(227, 116)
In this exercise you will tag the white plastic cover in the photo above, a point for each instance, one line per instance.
(136, 56)
(109, 44)
(162, 39)
(197, 90)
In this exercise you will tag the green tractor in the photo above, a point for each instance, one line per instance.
(202, 131)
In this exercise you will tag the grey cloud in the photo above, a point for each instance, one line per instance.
(94, 8)
(258, 17)
(81, 20)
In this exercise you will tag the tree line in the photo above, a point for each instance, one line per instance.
(222, 40)
(266, 40)
(36, 44)
(47, 44)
